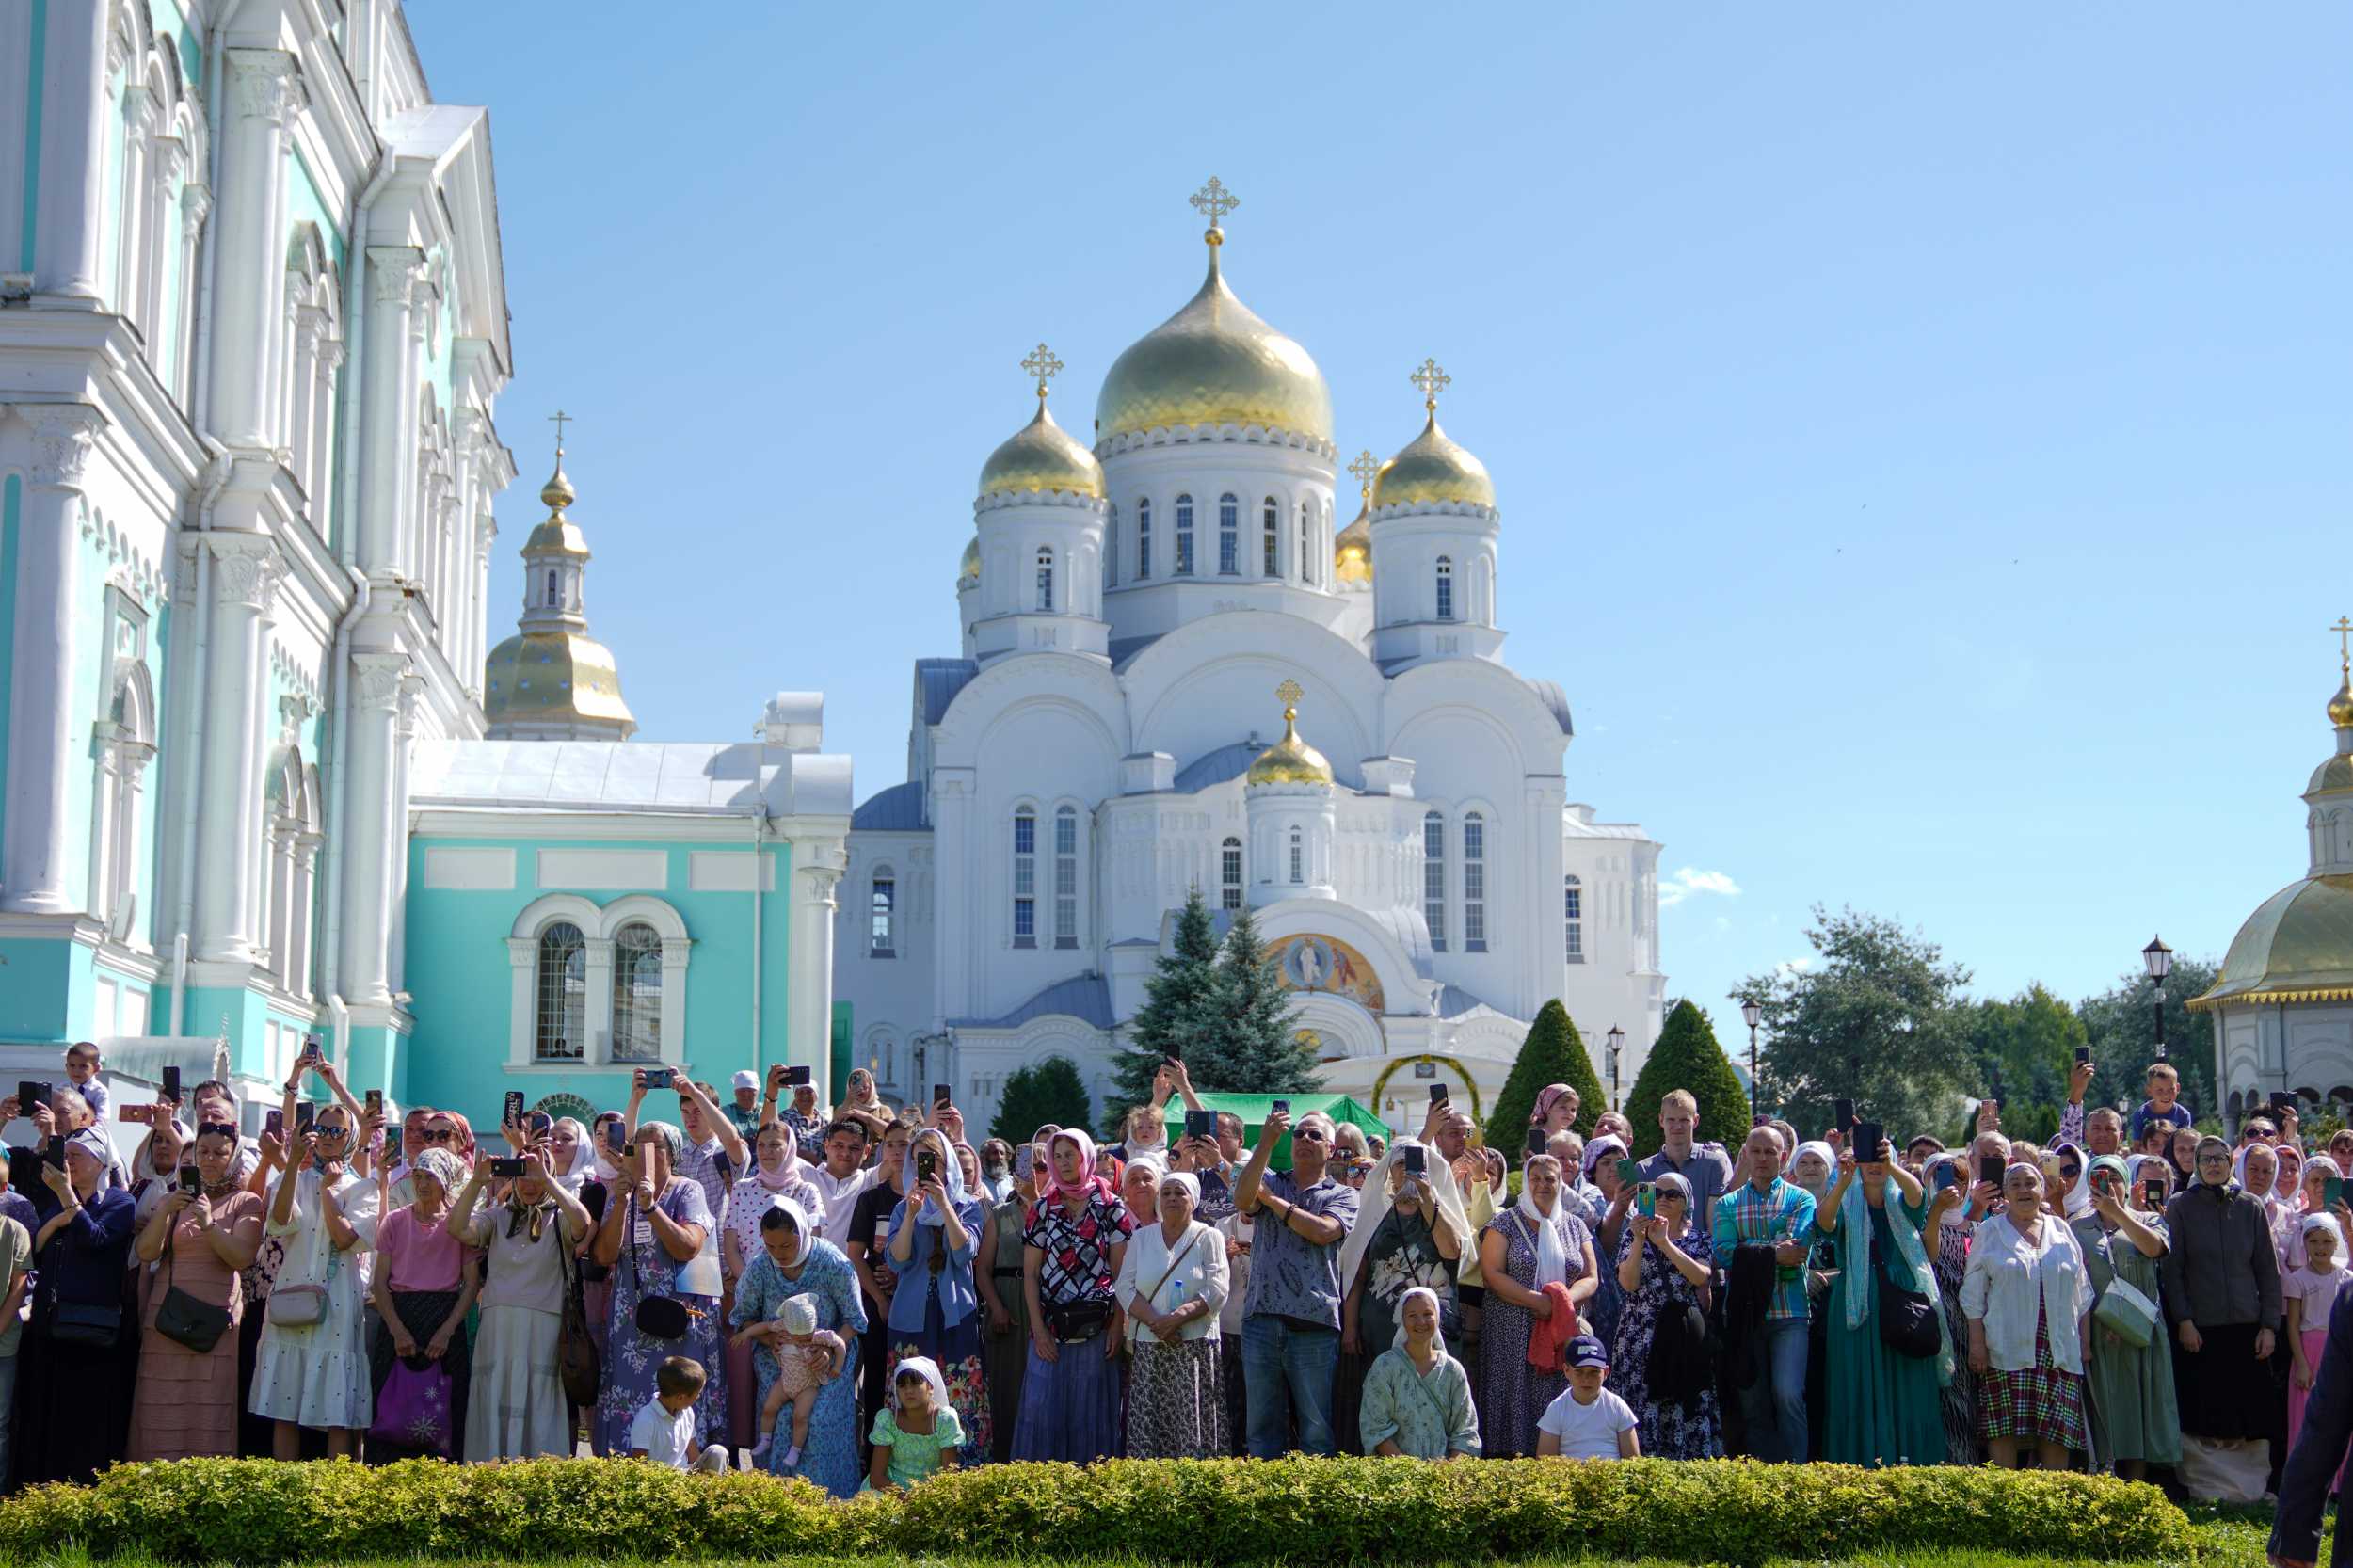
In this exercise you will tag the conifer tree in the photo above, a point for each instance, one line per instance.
(1687, 1057)
(1553, 1052)
(1183, 1012)
(1258, 1051)
(1051, 1091)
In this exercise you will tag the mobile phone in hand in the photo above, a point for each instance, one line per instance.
(1869, 1136)
(1842, 1116)
(1200, 1124)
(171, 1082)
(28, 1094)
(314, 1049)
(1416, 1160)
(1537, 1141)
(1990, 1169)
(1283, 1106)
(2331, 1191)
(191, 1180)
(2083, 1055)
(306, 1116)
(506, 1166)
(940, 1094)
(513, 1108)
(926, 1164)
(538, 1123)
(617, 1137)
(1438, 1093)
(1645, 1200)
(375, 1102)
(798, 1075)
(1629, 1172)
(275, 1123)
(657, 1078)
(53, 1152)
(1948, 1174)
(2152, 1194)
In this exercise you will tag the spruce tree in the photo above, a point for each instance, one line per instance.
(1553, 1052)
(1183, 1011)
(1257, 1050)
(1687, 1057)
(1051, 1091)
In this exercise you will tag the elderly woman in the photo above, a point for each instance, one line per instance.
(660, 1238)
(311, 1365)
(75, 1357)
(1663, 1364)
(2134, 1420)
(1538, 1261)
(1411, 1231)
(423, 1287)
(1140, 1185)
(1073, 1243)
(2028, 1300)
(1351, 1154)
(778, 1172)
(204, 1234)
(937, 1233)
(529, 1243)
(795, 1259)
(1958, 1202)
(1883, 1404)
(2222, 1294)
(1173, 1282)
(1417, 1397)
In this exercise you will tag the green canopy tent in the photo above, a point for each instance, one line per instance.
(1252, 1111)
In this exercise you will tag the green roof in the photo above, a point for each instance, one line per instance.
(2298, 947)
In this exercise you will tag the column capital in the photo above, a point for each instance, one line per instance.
(267, 84)
(64, 435)
(394, 270)
(245, 569)
(196, 203)
(376, 680)
(172, 154)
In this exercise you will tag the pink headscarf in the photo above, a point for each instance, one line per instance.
(1050, 1187)
(1547, 1098)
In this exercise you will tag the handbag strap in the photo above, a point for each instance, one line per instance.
(1173, 1264)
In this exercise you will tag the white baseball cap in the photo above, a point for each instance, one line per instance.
(747, 1079)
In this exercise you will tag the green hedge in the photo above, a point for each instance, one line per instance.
(1224, 1510)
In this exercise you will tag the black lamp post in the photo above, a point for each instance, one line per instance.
(1616, 1038)
(1752, 1013)
(2159, 958)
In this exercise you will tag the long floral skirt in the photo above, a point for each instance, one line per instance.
(1176, 1403)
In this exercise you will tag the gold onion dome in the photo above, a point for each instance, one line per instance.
(1432, 470)
(1042, 456)
(2341, 705)
(551, 672)
(969, 570)
(557, 533)
(1291, 759)
(1213, 362)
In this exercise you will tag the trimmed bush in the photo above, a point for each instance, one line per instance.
(1177, 1513)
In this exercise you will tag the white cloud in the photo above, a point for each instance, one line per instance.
(1690, 881)
(1793, 965)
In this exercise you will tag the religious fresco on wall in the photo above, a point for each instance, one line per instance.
(1314, 963)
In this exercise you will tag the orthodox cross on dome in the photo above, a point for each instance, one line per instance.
(1043, 367)
(2344, 629)
(1214, 200)
(1432, 379)
(1364, 468)
(1289, 693)
(560, 418)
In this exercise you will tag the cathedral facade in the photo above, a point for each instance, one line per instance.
(1179, 670)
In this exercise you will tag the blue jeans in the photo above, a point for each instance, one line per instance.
(1775, 1402)
(1287, 1370)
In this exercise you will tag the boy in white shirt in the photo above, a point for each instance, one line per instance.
(1587, 1421)
(663, 1432)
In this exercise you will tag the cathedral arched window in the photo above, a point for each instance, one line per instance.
(882, 903)
(561, 1030)
(1446, 589)
(1046, 577)
(1229, 874)
(636, 993)
(1474, 883)
(1228, 536)
(1298, 859)
(1025, 878)
(1572, 912)
(1272, 520)
(1184, 535)
(1111, 549)
(1433, 877)
(1067, 877)
(553, 603)
(1144, 541)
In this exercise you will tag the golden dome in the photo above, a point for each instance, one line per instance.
(2341, 705)
(1432, 470)
(558, 534)
(969, 570)
(2298, 947)
(1291, 759)
(1042, 456)
(1351, 549)
(554, 678)
(1213, 362)
(557, 493)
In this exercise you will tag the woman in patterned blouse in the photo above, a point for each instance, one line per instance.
(1073, 1244)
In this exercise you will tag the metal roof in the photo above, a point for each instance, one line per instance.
(938, 680)
(897, 810)
(672, 779)
(1086, 997)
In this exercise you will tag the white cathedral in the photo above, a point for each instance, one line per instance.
(1179, 671)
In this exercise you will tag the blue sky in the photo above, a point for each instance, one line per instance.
(1920, 433)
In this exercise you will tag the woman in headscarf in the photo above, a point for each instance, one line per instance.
(778, 1172)
(1884, 1406)
(2311, 1199)
(2028, 1303)
(1073, 1245)
(518, 1409)
(2064, 1180)
(1537, 1258)
(310, 1364)
(2182, 1153)
(2222, 1293)
(2256, 1170)
(1410, 1231)
(571, 1159)
(73, 1391)
(1812, 1168)
(1959, 1201)
(935, 1235)
(659, 1235)
(1418, 1397)
(795, 1259)
(1008, 1313)
(1172, 1283)
(187, 1404)
(2134, 1420)
(1664, 1265)
(424, 1285)
(603, 1185)
(1613, 1197)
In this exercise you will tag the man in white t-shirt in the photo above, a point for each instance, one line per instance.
(1587, 1421)
(841, 1178)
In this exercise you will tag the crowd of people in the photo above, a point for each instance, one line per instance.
(863, 1296)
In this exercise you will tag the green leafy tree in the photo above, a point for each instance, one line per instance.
(1183, 1012)
(2022, 1051)
(1256, 1049)
(1878, 1020)
(1051, 1091)
(1688, 1057)
(2123, 1024)
(1553, 1052)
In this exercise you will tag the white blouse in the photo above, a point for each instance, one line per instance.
(1202, 1276)
(2014, 1278)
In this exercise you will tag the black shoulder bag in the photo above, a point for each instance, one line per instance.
(658, 1317)
(1908, 1322)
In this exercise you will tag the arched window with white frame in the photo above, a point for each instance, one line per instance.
(1573, 916)
(882, 903)
(1433, 877)
(1111, 548)
(1474, 883)
(1184, 535)
(289, 882)
(1229, 874)
(1446, 589)
(1228, 536)
(1143, 541)
(1046, 577)
(1025, 878)
(560, 1031)
(123, 745)
(1306, 545)
(1270, 540)
(1298, 859)
(638, 994)
(1067, 877)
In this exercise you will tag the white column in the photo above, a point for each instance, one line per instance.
(596, 1012)
(245, 571)
(817, 868)
(167, 162)
(130, 236)
(393, 271)
(1543, 920)
(266, 93)
(34, 853)
(953, 829)
(471, 674)
(72, 216)
(373, 714)
(196, 206)
(301, 914)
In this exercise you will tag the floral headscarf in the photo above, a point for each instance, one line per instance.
(1050, 1186)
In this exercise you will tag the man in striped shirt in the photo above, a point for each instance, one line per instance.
(1765, 1208)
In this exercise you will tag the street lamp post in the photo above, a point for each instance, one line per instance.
(1616, 1038)
(1752, 1014)
(2159, 958)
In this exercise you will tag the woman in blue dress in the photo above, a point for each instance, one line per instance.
(935, 1233)
(659, 1233)
(795, 1260)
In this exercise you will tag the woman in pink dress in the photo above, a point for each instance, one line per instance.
(187, 1403)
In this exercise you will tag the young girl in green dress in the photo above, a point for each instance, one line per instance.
(917, 1435)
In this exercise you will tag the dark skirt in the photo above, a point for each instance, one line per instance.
(2224, 1391)
(423, 1312)
(1008, 1358)
(1348, 1400)
(1231, 1388)
(1070, 1407)
(72, 1405)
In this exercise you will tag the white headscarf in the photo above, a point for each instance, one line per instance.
(1438, 1340)
(1552, 1257)
(1829, 1166)
(1186, 1180)
(929, 1369)
(1374, 1205)
(584, 1166)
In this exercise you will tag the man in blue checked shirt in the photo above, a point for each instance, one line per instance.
(1767, 1209)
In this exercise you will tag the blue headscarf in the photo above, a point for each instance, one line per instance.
(951, 1176)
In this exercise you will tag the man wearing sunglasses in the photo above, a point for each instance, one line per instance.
(1290, 1324)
